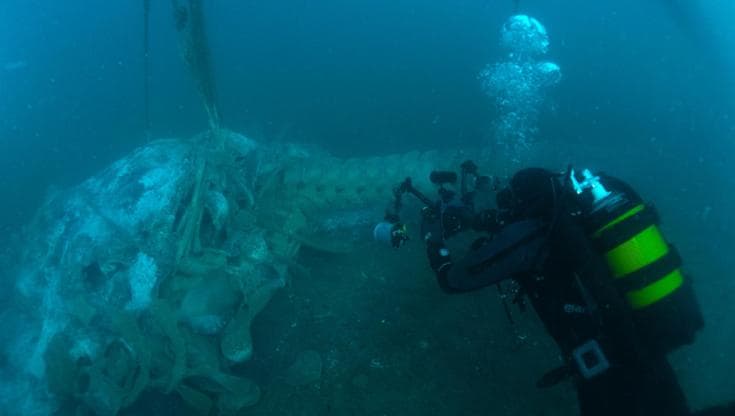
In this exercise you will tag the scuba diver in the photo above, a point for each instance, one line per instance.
(587, 253)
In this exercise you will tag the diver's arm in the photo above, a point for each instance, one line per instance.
(516, 249)
(451, 279)
(441, 263)
(437, 253)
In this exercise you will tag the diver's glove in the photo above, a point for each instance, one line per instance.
(431, 225)
(438, 255)
(433, 235)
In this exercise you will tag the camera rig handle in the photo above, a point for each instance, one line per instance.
(405, 187)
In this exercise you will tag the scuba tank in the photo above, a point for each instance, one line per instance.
(645, 268)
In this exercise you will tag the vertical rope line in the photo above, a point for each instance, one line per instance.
(189, 21)
(146, 69)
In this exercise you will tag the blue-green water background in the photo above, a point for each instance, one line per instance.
(356, 77)
(647, 93)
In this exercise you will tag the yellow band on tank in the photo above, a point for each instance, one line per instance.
(639, 251)
(636, 209)
(655, 291)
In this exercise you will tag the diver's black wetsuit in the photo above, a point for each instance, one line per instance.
(569, 285)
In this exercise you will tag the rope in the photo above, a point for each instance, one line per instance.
(146, 69)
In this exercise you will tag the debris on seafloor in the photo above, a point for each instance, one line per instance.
(147, 276)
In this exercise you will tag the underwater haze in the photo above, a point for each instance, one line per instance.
(212, 274)
(359, 77)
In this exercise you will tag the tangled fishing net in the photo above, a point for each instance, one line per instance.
(147, 276)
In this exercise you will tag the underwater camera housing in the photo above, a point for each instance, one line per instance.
(442, 177)
(455, 214)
